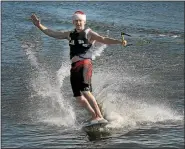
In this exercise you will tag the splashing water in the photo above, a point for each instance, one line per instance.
(97, 49)
(126, 112)
(54, 108)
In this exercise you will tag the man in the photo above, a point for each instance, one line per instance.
(81, 40)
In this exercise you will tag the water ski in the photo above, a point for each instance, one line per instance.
(98, 124)
(96, 130)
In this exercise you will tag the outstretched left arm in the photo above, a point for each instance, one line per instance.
(106, 40)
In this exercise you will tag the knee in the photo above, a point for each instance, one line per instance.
(81, 100)
(89, 96)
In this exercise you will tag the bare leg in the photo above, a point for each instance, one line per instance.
(94, 104)
(84, 102)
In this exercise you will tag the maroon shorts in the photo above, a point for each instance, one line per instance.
(80, 77)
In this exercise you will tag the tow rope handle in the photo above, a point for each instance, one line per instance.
(123, 38)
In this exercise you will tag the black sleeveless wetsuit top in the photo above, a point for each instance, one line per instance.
(78, 43)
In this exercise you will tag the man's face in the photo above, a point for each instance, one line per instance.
(79, 24)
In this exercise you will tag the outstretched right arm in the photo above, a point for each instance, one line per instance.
(49, 32)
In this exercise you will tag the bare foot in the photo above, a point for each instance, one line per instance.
(98, 118)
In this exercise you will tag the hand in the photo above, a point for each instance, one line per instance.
(124, 42)
(35, 20)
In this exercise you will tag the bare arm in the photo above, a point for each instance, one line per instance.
(49, 32)
(106, 40)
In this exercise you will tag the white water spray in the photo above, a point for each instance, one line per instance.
(126, 112)
(53, 109)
